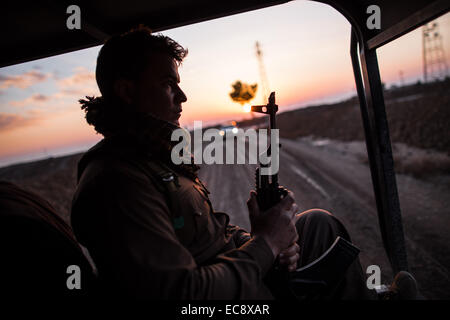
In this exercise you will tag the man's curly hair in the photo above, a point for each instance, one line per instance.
(123, 56)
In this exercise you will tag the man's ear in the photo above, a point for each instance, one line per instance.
(124, 89)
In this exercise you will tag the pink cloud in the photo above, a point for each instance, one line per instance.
(24, 80)
(34, 99)
(70, 89)
(82, 82)
(10, 121)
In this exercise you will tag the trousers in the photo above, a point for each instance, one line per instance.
(317, 230)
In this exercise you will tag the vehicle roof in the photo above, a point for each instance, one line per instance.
(38, 29)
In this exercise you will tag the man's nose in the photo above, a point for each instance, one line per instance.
(181, 97)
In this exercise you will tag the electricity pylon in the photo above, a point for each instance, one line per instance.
(262, 73)
(434, 62)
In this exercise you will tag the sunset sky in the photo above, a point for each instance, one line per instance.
(305, 52)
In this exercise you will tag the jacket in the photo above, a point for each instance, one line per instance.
(143, 250)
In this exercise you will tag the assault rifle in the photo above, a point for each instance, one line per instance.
(324, 273)
(268, 193)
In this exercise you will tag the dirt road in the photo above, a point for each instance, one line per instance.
(322, 174)
(331, 176)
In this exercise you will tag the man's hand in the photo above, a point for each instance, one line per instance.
(276, 225)
(288, 258)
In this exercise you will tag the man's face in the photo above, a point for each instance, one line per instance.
(157, 91)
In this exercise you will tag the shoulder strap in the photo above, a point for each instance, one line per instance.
(166, 181)
(166, 177)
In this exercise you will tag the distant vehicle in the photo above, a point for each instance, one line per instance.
(228, 131)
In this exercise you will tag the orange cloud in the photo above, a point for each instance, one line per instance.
(23, 81)
(44, 130)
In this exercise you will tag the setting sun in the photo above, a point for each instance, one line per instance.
(40, 114)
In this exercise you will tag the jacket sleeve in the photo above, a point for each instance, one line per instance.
(124, 221)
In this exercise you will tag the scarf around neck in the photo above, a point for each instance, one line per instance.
(138, 130)
(152, 136)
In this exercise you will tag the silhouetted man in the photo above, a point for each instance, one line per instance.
(148, 223)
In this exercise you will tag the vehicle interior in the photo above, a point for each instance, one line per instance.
(39, 31)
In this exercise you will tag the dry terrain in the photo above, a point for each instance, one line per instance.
(324, 162)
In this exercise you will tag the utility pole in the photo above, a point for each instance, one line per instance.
(434, 62)
(402, 80)
(262, 73)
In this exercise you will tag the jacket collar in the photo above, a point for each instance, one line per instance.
(142, 133)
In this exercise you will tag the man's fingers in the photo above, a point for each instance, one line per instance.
(292, 267)
(290, 261)
(287, 201)
(286, 256)
(291, 250)
(290, 255)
